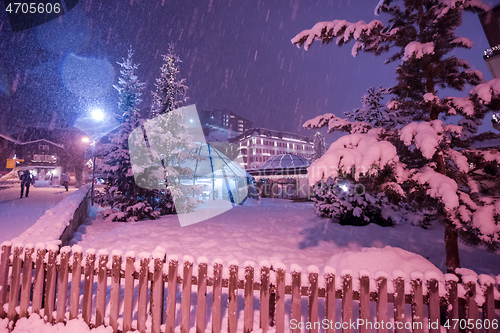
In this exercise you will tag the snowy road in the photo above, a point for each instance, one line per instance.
(17, 215)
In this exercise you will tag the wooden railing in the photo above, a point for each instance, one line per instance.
(54, 272)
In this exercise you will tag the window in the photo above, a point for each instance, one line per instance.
(44, 158)
(43, 147)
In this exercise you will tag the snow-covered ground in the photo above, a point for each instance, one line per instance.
(276, 230)
(17, 215)
(279, 231)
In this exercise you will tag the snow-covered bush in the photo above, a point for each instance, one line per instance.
(428, 160)
(350, 204)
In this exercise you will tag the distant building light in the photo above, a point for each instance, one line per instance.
(491, 51)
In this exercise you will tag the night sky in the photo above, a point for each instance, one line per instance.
(236, 55)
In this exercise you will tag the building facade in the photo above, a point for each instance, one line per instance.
(258, 145)
(226, 119)
(491, 26)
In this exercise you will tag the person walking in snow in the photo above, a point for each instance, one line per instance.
(65, 178)
(25, 182)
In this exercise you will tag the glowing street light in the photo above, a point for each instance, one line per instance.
(85, 139)
(97, 114)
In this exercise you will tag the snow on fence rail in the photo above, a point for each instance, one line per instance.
(22, 292)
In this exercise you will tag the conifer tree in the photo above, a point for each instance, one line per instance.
(128, 202)
(319, 146)
(422, 161)
(168, 135)
(170, 92)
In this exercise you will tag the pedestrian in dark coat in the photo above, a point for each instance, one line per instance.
(66, 178)
(25, 182)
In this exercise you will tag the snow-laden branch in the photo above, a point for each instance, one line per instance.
(418, 50)
(440, 187)
(425, 135)
(365, 153)
(342, 30)
(487, 92)
(335, 123)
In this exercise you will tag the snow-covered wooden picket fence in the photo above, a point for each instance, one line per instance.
(59, 284)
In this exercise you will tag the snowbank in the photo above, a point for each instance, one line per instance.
(49, 228)
(387, 259)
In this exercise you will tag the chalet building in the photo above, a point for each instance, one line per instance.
(47, 153)
(46, 159)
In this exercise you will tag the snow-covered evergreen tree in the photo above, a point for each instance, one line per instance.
(425, 160)
(170, 92)
(128, 202)
(168, 137)
(319, 146)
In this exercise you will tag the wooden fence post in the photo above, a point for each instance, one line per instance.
(417, 302)
(399, 301)
(157, 291)
(280, 299)
(4, 275)
(62, 292)
(381, 279)
(488, 284)
(171, 293)
(296, 296)
(114, 298)
(26, 283)
(128, 296)
(76, 278)
(50, 288)
(36, 305)
(264, 297)
(364, 301)
(452, 288)
(102, 286)
(88, 285)
(217, 294)
(434, 311)
(232, 307)
(472, 308)
(201, 306)
(248, 311)
(187, 276)
(15, 282)
(142, 302)
(313, 297)
(329, 300)
(347, 300)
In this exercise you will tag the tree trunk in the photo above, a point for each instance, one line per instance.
(450, 233)
(451, 244)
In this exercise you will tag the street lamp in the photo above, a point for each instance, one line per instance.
(97, 115)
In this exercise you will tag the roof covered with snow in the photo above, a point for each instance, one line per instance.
(286, 161)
